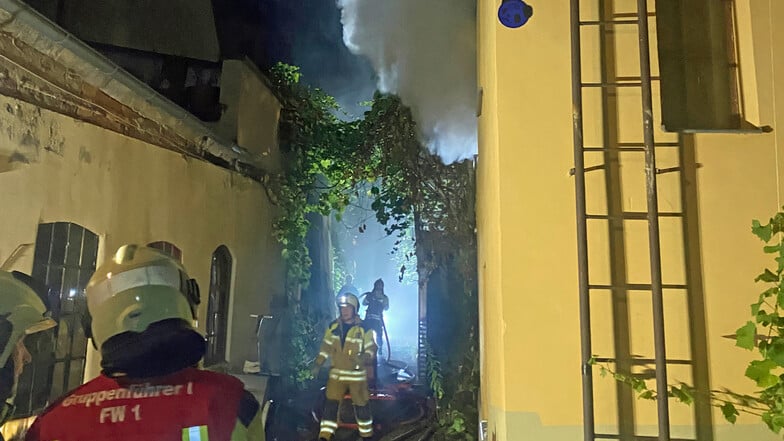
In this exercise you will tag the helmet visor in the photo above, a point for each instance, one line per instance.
(42, 325)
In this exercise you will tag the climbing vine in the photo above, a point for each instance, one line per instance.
(319, 165)
(317, 177)
(418, 192)
(763, 333)
(426, 204)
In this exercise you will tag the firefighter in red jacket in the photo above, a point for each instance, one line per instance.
(143, 306)
(351, 347)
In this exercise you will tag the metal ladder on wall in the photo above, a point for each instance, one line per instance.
(616, 216)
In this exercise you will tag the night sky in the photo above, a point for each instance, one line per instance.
(308, 33)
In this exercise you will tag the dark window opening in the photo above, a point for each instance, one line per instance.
(218, 306)
(65, 257)
(698, 64)
(168, 248)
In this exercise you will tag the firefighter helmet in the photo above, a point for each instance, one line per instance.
(22, 311)
(139, 286)
(348, 299)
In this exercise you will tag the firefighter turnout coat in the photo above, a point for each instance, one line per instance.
(189, 405)
(349, 356)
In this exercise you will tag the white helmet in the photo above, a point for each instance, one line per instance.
(139, 286)
(348, 299)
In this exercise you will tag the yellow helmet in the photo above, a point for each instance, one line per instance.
(348, 299)
(22, 308)
(137, 287)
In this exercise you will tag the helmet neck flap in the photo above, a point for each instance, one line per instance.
(163, 348)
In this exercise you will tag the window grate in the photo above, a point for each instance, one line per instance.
(65, 257)
(218, 306)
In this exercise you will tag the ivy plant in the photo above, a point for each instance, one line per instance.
(763, 334)
(426, 204)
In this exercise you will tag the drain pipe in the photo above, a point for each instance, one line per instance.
(26, 24)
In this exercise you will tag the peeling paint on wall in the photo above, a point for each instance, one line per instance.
(26, 133)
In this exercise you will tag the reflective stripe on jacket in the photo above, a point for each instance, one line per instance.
(359, 348)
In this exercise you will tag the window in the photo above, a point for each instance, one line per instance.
(698, 65)
(168, 248)
(65, 257)
(218, 306)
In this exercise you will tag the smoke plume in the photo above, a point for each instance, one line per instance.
(425, 52)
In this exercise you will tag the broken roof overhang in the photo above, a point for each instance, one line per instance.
(24, 24)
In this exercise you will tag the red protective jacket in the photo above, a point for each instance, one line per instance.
(191, 404)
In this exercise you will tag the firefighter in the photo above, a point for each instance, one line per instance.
(377, 302)
(23, 311)
(348, 287)
(350, 346)
(143, 308)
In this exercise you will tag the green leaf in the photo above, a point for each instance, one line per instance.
(759, 371)
(683, 394)
(771, 249)
(730, 412)
(745, 336)
(764, 232)
(767, 276)
(775, 352)
(769, 292)
(647, 395)
(765, 319)
(776, 422)
(638, 385)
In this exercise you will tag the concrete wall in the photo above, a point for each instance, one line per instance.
(252, 112)
(527, 242)
(57, 169)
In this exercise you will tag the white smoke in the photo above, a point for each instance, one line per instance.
(425, 52)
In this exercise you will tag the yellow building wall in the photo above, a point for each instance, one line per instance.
(53, 168)
(251, 112)
(526, 223)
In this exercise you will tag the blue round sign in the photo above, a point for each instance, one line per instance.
(514, 13)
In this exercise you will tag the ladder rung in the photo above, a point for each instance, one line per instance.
(636, 78)
(640, 144)
(588, 169)
(635, 438)
(661, 171)
(633, 215)
(612, 84)
(614, 149)
(636, 360)
(629, 147)
(633, 14)
(607, 22)
(637, 286)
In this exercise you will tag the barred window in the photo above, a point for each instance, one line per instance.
(218, 306)
(64, 259)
